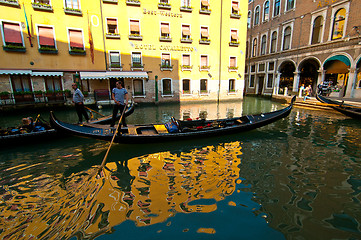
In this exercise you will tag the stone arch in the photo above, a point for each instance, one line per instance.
(308, 71)
(337, 72)
(358, 68)
(286, 70)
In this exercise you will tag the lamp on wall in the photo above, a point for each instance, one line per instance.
(239, 75)
(209, 75)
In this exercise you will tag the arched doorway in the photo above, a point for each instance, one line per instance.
(337, 73)
(287, 70)
(308, 70)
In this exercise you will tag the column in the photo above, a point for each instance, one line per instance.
(296, 81)
(277, 83)
(352, 81)
(321, 76)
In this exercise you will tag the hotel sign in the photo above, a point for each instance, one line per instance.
(169, 48)
(162, 13)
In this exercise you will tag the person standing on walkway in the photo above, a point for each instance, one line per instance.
(78, 100)
(308, 91)
(118, 95)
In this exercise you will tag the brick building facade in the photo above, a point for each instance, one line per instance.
(293, 43)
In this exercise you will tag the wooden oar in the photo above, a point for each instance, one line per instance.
(94, 111)
(111, 143)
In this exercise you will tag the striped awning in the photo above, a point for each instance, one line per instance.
(16, 72)
(127, 74)
(47, 74)
(93, 75)
(106, 75)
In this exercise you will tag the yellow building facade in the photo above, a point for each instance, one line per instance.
(163, 51)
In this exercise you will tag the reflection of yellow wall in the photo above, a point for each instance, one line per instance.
(88, 206)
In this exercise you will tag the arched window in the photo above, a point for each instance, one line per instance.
(254, 48)
(277, 8)
(317, 30)
(338, 24)
(290, 4)
(249, 19)
(266, 11)
(263, 45)
(287, 38)
(273, 42)
(256, 16)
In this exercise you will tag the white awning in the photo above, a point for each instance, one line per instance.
(17, 72)
(127, 74)
(47, 74)
(93, 75)
(114, 74)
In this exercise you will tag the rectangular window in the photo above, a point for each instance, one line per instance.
(164, 30)
(232, 62)
(138, 87)
(235, 8)
(165, 59)
(204, 4)
(46, 36)
(136, 59)
(167, 86)
(204, 33)
(21, 83)
(114, 59)
(204, 61)
(186, 59)
(269, 80)
(186, 31)
(134, 27)
(76, 39)
(204, 87)
(112, 26)
(186, 86)
(251, 81)
(271, 66)
(186, 3)
(234, 36)
(72, 4)
(253, 68)
(232, 85)
(261, 67)
(53, 83)
(12, 34)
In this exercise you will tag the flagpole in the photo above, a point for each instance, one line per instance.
(27, 25)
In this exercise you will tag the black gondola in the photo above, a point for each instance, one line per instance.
(13, 136)
(347, 109)
(175, 130)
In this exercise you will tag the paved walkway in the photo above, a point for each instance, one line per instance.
(313, 103)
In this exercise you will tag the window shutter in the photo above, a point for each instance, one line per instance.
(76, 38)
(12, 33)
(46, 36)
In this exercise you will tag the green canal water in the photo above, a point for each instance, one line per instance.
(298, 178)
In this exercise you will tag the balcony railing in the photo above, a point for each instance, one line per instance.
(164, 6)
(42, 6)
(205, 41)
(112, 35)
(73, 11)
(166, 67)
(204, 68)
(186, 8)
(135, 37)
(34, 97)
(13, 3)
(133, 2)
(186, 68)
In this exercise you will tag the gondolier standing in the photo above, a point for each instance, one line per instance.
(78, 100)
(118, 95)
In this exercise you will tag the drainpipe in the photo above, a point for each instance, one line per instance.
(102, 21)
(156, 88)
(220, 53)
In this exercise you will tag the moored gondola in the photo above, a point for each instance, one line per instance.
(174, 130)
(14, 136)
(346, 109)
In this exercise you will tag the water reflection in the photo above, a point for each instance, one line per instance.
(147, 190)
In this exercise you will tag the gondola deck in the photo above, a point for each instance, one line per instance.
(150, 133)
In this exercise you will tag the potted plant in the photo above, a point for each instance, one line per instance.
(49, 93)
(38, 94)
(67, 93)
(4, 95)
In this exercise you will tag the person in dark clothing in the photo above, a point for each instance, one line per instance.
(119, 93)
(78, 100)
